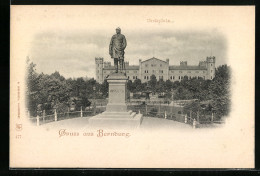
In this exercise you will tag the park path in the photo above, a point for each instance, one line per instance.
(147, 123)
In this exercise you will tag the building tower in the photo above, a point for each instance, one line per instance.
(211, 67)
(99, 69)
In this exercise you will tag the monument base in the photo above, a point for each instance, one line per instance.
(116, 120)
(116, 114)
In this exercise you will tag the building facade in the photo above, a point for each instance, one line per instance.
(161, 69)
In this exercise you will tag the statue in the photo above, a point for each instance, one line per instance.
(116, 49)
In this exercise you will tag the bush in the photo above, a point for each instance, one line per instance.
(61, 107)
(153, 112)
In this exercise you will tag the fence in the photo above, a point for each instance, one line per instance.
(152, 109)
(39, 120)
(196, 119)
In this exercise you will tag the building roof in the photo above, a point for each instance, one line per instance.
(132, 67)
(154, 58)
(187, 67)
(127, 67)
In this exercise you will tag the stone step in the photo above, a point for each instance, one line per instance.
(128, 113)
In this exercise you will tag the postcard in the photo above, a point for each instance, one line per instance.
(132, 86)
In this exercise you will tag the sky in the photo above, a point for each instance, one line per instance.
(73, 52)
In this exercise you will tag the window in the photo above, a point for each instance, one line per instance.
(146, 65)
(161, 71)
(128, 77)
(144, 77)
(133, 77)
(98, 65)
(211, 65)
(211, 77)
(173, 77)
(179, 77)
(153, 71)
(135, 71)
(211, 71)
(160, 65)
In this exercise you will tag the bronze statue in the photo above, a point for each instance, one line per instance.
(116, 49)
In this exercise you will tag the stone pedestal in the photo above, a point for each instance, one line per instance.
(116, 114)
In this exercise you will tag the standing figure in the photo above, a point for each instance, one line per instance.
(116, 49)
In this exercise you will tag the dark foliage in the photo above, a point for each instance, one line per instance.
(53, 91)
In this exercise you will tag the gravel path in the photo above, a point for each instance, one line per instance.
(148, 122)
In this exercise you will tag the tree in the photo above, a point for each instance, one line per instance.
(32, 89)
(57, 75)
(90, 88)
(53, 92)
(168, 85)
(137, 85)
(104, 89)
(160, 86)
(152, 83)
(219, 90)
(181, 93)
(130, 86)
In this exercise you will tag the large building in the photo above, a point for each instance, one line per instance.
(161, 69)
